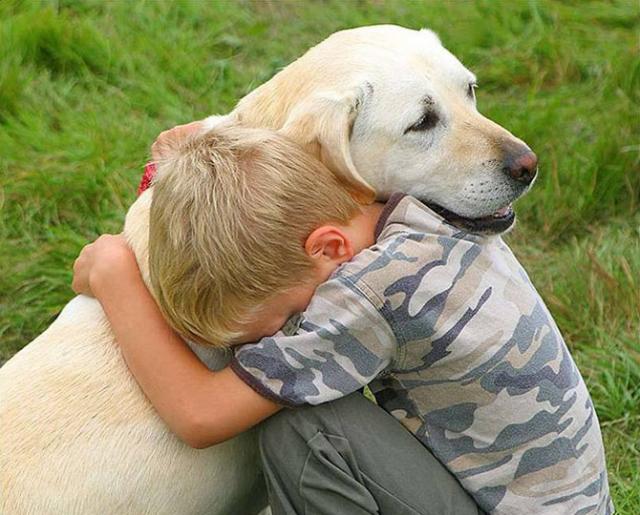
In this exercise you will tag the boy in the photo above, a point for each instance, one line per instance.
(444, 324)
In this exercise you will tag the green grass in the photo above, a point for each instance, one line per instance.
(85, 86)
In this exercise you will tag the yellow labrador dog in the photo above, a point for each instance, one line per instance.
(387, 109)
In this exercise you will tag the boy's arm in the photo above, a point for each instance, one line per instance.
(343, 341)
(200, 406)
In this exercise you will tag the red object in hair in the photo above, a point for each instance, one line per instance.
(150, 170)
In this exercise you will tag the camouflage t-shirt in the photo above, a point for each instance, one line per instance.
(455, 343)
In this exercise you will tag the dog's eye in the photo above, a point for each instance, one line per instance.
(428, 121)
(471, 90)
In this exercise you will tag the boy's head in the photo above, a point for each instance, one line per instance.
(240, 233)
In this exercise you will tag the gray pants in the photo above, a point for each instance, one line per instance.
(350, 457)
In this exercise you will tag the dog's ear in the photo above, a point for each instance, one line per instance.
(169, 141)
(322, 124)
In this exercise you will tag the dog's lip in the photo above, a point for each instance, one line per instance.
(499, 221)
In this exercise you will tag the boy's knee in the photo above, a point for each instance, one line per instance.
(282, 441)
(294, 427)
(298, 425)
(285, 425)
(278, 431)
(273, 431)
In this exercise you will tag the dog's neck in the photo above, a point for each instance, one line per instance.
(136, 231)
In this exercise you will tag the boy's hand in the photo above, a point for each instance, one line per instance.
(102, 262)
(199, 406)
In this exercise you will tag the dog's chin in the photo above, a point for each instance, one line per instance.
(500, 221)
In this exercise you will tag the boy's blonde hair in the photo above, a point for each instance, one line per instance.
(231, 212)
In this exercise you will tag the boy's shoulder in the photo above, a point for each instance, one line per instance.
(413, 241)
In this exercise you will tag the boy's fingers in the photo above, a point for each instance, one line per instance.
(75, 286)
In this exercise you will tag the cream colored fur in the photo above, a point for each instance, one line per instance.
(76, 433)
(78, 436)
(351, 99)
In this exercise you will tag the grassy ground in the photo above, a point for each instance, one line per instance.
(86, 85)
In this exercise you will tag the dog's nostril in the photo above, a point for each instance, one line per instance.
(528, 161)
(523, 168)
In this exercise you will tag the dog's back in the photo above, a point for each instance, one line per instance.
(79, 436)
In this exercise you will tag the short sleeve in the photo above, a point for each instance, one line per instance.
(343, 342)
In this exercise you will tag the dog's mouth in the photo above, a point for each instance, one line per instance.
(497, 222)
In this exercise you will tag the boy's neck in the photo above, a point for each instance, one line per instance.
(361, 228)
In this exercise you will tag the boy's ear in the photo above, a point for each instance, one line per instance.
(329, 243)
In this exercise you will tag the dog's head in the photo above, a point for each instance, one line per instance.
(390, 109)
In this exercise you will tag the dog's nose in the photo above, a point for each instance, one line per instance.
(522, 167)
